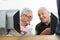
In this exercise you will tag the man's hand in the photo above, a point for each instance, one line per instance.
(22, 29)
(47, 31)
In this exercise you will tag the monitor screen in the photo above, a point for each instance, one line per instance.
(16, 18)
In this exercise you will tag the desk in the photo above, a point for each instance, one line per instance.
(40, 37)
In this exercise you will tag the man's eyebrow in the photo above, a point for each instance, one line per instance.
(38, 14)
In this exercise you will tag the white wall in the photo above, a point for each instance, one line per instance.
(34, 5)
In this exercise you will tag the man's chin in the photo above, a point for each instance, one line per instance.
(26, 24)
(43, 21)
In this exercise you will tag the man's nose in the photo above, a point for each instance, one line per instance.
(41, 16)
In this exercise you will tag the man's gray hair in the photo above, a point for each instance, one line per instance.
(25, 10)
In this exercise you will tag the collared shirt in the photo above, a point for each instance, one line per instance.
(41, 26)
(29, 29)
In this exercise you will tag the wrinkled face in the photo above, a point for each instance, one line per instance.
(43, 15)
(26, 19)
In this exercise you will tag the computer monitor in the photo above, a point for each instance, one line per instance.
(13, 19)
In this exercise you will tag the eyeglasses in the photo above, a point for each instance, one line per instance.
(28, 16)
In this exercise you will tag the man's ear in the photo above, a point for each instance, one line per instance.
(49, 13)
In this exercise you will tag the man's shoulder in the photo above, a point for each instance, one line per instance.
(39, 24)
(53, 16)
(53, 19)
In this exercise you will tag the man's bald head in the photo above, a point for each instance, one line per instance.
(44, 14)
(42, 8)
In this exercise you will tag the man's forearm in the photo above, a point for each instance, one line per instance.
(47, 31)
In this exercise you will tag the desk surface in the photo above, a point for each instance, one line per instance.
(40, 37)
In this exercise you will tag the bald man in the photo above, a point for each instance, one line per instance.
(48, 22)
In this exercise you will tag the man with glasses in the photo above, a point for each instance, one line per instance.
(25, 19)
